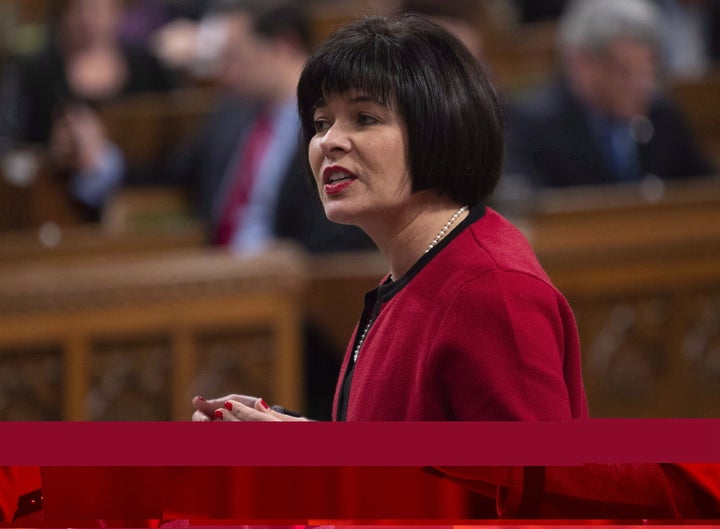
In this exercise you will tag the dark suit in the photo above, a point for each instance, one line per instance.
(202, 164)
(550, 143)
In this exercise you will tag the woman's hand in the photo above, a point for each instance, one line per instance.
(78, 139)
(237, 408)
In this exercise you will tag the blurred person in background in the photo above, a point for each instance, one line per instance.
(84, 62)
(691, 32)
(242, 168)
(188, 40)
(460, 17)
(604, 119)
(691, 37)
(141, 19)
(48, 98)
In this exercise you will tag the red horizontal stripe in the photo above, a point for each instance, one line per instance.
(332, 444)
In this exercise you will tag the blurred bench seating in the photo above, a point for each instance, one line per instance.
(148, 126)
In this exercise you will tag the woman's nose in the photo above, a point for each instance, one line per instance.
(335, 140)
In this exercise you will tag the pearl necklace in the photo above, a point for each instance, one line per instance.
(445, 228)
(432, 245)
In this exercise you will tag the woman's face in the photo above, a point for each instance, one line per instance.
(358, 157)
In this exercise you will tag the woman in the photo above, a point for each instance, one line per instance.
(404, 139)
(49, 99)
(84, 62)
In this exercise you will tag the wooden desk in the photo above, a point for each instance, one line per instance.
(135, 338)
(643, 278)
(91, 242)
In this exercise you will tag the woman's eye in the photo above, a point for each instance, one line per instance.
(320, 125)
(364, 119)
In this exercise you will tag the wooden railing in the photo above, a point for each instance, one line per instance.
(135, 337)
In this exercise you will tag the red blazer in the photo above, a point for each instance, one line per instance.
(474, 331)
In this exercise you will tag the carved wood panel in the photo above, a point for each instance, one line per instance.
(654, 356)
(31, 384)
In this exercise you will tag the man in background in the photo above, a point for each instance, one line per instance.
(243, 168)
(603, 120)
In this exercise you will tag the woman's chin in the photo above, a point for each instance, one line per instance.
(339, 213)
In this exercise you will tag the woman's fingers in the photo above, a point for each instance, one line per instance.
(237, 411)
(199, 416)
(237, 408)
(208, 406)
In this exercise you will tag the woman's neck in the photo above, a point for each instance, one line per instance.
(420, 228)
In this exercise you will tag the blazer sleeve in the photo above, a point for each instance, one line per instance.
(507, 349)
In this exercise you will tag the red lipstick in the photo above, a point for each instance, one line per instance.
(336, 179)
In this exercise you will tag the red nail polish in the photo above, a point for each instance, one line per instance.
(219, 414)
(264, 404)
(201, 398)
(228, 405)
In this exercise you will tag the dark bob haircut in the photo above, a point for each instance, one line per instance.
(450, 108)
